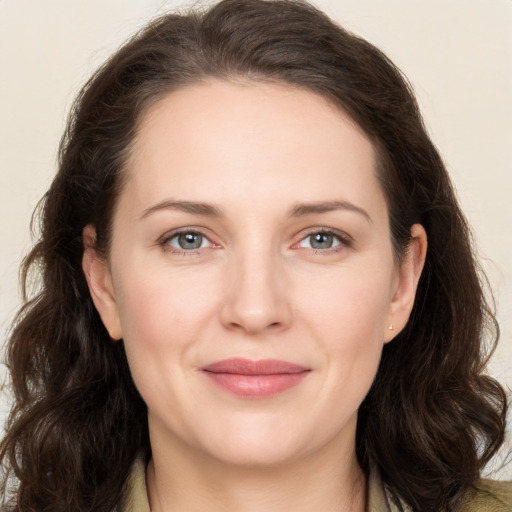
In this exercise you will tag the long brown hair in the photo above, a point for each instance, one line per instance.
(432, 418)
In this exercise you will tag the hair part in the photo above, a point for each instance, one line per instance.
(431, 420)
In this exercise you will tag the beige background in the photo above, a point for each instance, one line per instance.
(457, 54)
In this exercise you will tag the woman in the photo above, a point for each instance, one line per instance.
(258, 289)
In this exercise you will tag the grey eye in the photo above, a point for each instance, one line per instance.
(188, 241)
(321, 240)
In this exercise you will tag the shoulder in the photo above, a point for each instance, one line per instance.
(482, 496)
(135, 496)
(488, 496)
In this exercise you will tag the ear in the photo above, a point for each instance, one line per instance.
(409, 274)
(99, 280)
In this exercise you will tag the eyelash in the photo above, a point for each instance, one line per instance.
(164, 241)
(345, 241)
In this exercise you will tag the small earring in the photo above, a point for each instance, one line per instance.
(390, 328)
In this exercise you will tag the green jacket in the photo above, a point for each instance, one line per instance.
(487, 495)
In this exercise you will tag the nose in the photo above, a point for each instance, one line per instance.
(256, 295)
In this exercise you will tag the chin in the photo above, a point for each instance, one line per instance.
(256, 455)
(258, 445)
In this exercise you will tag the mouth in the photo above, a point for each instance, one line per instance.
(255, 379)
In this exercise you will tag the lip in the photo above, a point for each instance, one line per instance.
(255, 379)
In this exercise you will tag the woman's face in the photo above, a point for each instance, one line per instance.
(251, 272)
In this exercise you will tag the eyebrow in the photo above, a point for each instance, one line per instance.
(212, 210)
(304, 209)
(206, 209)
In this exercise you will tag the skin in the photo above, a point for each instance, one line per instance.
(256, 288)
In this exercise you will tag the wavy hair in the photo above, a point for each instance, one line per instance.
(432, 418)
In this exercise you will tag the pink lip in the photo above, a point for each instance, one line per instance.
(255, 379)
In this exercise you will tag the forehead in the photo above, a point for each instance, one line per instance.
(220, 140)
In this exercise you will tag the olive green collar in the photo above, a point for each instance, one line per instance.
(485, 496)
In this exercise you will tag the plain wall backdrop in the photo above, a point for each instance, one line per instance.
(456, 53)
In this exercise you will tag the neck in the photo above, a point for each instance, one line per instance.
(328, 480)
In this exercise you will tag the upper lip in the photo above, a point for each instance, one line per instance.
(241, 366)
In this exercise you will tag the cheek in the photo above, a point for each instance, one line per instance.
(162, 317)
(155, 304)
(347, 315)
(352, 302)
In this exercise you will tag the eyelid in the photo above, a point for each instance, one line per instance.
(345, 239)
(163, 241)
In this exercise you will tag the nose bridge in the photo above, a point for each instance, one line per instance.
(256, 298)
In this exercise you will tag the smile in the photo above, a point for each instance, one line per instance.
(255, 379)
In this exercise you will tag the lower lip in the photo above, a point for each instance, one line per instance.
(256, 386)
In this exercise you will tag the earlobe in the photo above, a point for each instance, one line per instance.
(99, 281)
(409, 275)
